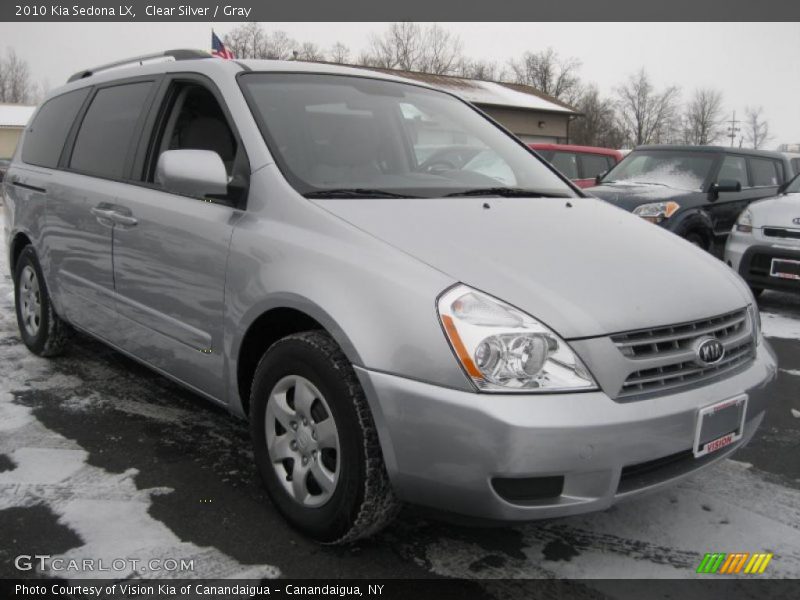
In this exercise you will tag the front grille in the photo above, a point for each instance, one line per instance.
(782, 233)
(664, 358)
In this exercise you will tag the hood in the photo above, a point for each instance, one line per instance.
(629, 195)
(582, 267)
(780, 211)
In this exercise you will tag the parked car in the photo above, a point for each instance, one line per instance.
(794, 159)
(4, 163)
(261, 232)
(764, 246)
(582, 164)
(694, 191)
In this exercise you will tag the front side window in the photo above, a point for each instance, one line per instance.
(108, 130)
(333, 132)
(47, 134)
(734, 168)
(673, 168)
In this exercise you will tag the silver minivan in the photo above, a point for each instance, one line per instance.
(483, 340)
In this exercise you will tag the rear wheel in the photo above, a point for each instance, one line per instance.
(315, 442)
(41, 329)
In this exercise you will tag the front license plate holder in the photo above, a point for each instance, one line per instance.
(719, 425)
(785, 268)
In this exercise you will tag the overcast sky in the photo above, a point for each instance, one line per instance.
(751, 63)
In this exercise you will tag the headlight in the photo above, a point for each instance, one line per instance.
(655, 212)
(504, 350)
(744, 223)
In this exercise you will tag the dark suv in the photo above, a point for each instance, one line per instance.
(694, 191)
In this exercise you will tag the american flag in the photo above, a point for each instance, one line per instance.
(218, 49)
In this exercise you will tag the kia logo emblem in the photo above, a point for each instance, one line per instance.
(708, 350)
(796, 220)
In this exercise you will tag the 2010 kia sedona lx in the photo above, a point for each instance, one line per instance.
(482, 339)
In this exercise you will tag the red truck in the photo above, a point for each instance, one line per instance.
(580, 163)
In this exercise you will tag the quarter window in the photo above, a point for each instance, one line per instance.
(46, 135)
(108, 129)
(764, 172)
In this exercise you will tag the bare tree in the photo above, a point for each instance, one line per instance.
(399, 47)
(647, 115)
(756, 127)
(479, 69)
(412, 47)
(441, 51)
(311, 52)
(16, 86)
(703, 117)
(549, 73)
(598, 125)
(246, 41)
(340, 53)
(250, 40)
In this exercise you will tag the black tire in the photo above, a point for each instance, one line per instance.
(697, 239)
(756, 291)
(362, 503)
(52, 334)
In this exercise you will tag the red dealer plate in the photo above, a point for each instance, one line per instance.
(785, 268)
(719, 425)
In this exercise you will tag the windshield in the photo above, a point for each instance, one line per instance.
(673, 168)
(794, 186)
(333, 134)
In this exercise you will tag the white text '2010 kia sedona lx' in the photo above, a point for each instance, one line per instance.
(479, 339)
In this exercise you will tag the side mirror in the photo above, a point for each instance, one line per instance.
(726, 185)
(782, 189)
(599, 177)
(198, 173)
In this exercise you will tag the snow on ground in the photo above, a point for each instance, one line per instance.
(106, 510)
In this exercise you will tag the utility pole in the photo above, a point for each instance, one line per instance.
(733, 129)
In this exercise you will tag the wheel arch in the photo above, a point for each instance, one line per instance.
(18, 243)
(271, 321)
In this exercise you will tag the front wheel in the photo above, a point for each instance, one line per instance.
(696, 239)
(41, 329)
(315, 442)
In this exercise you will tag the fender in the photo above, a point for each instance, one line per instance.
(689, 219)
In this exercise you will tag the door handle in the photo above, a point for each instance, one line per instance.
(126, 220)
(105, 213)
(102, 214)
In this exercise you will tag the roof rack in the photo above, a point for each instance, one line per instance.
(180, 54)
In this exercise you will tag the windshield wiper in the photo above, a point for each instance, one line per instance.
(505, 192)
(355, 193)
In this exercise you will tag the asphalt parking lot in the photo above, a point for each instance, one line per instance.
(101, 458)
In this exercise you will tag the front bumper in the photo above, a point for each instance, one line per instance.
(751, 256)
(444, 447)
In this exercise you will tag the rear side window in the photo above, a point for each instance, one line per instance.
(593, 165)
(764, 172)
(567, 163)
(46, 135)
(796, 165)
(108, 128)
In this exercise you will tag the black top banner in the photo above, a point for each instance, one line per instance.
(400, 10)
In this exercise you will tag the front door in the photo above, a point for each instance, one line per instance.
(170, 259)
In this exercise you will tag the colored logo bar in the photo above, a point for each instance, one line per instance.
(738, 562)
